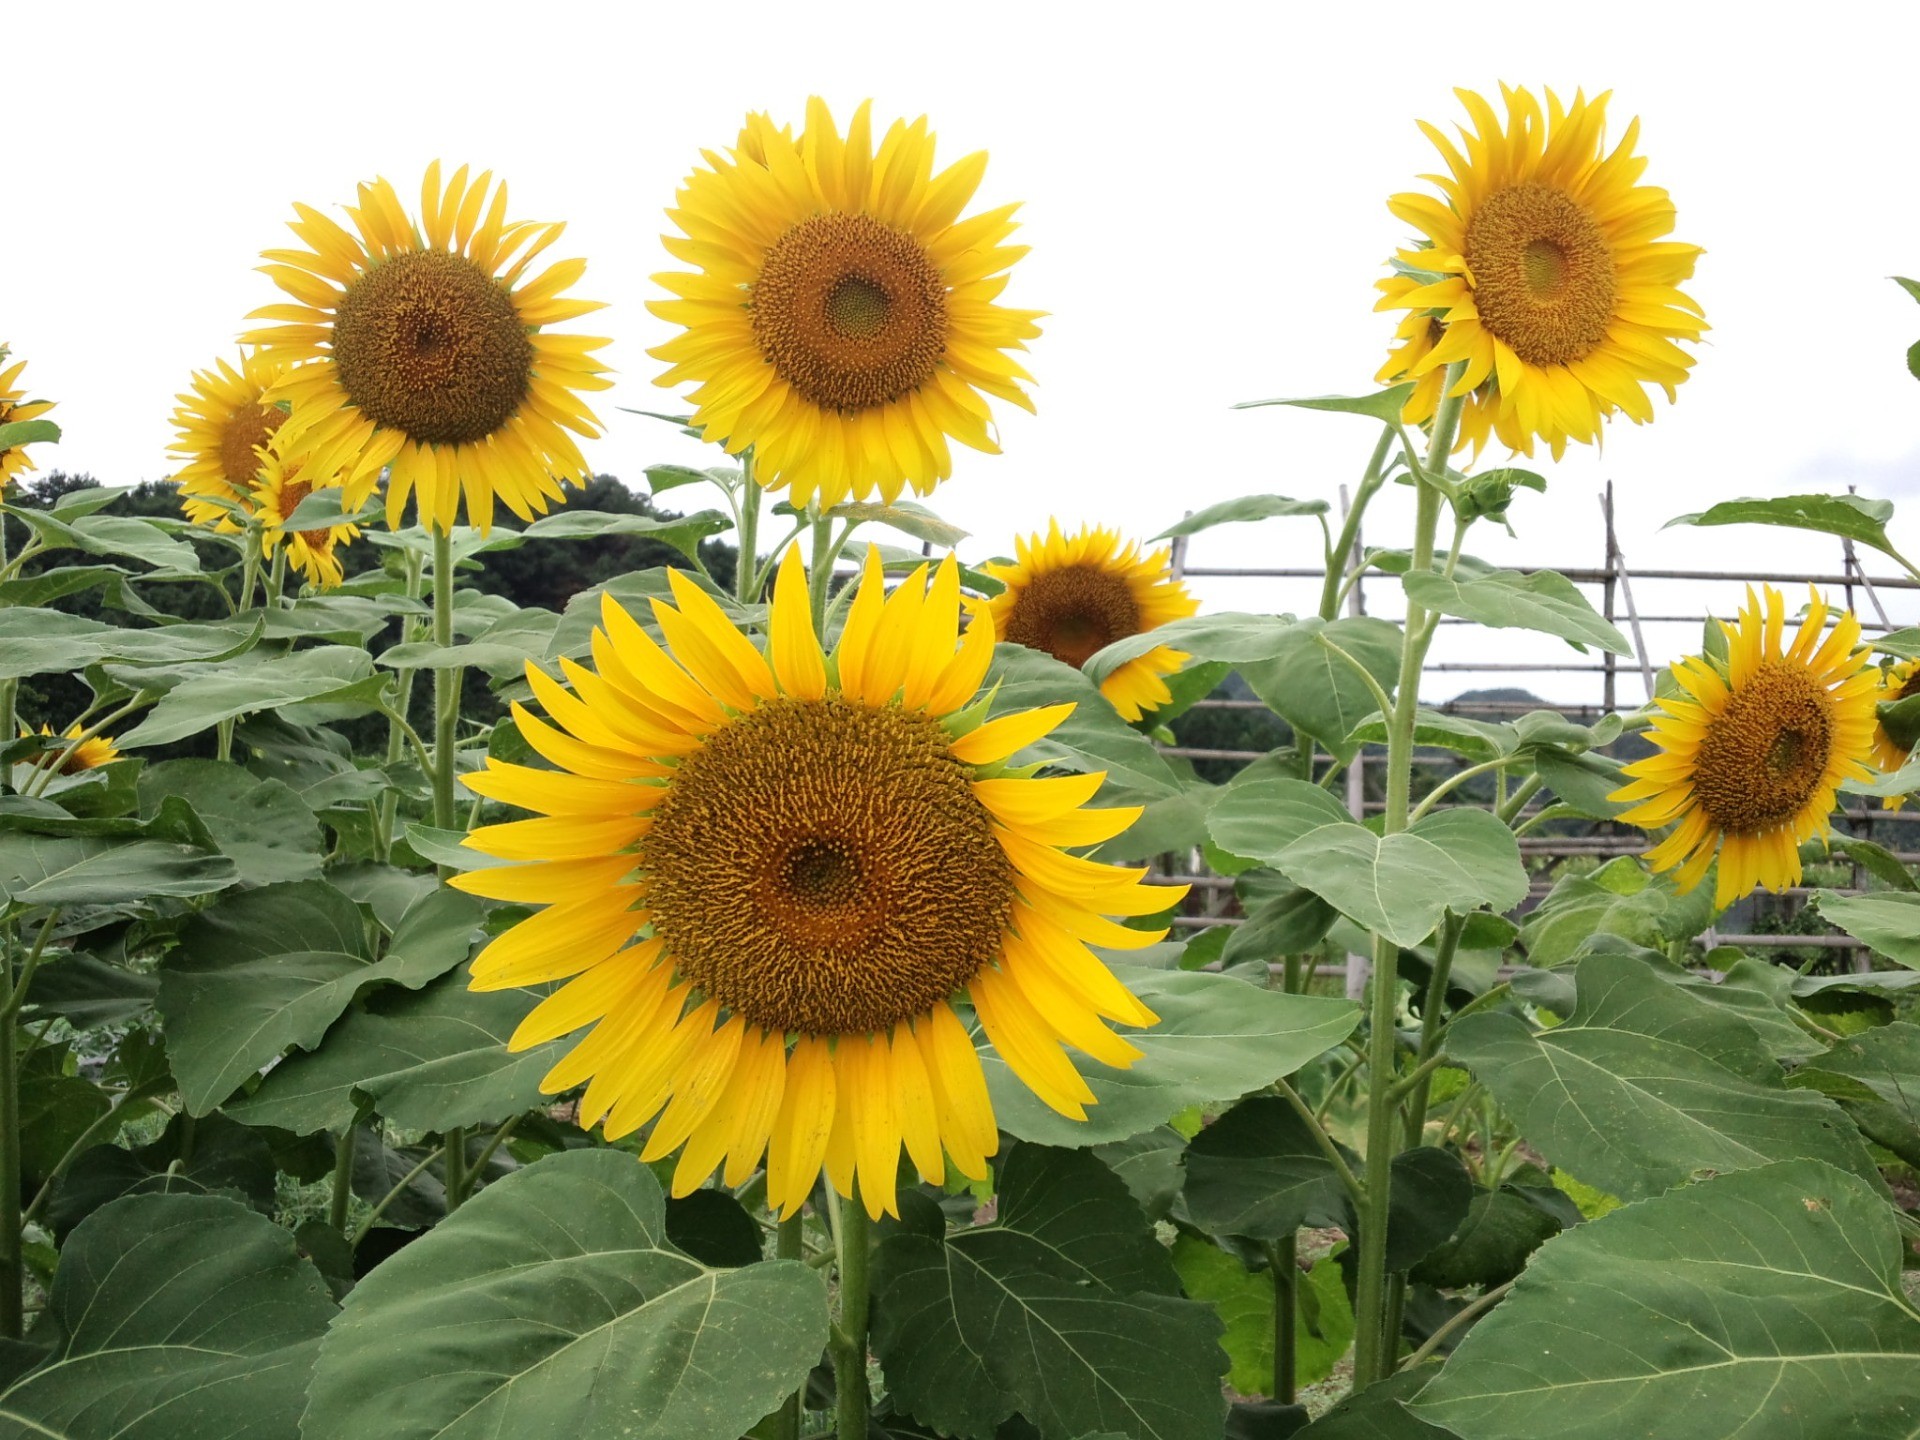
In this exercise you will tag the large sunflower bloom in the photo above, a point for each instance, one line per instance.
(770, 876)
(1900, 681)
(1544, 260)
(842, 318)
(90, 754)
(429, 353)
(14, 406)
(282, 486)
(1751, 758)
(221, 425)
(1071, 595)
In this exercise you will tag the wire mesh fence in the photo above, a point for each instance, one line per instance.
(1610, 683)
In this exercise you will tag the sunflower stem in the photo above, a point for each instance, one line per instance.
(1331, 590)
(12, 1264)
(1284, 1258)
(342, 1177)
(746, 569)
(1375, 1350)
(398, 730)
(790, 1243)
(820, 572)
(446, 682)
(277, 577)
(850, 1348)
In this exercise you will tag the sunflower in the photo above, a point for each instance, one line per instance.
(770, 876)
(14, 407)
(1899, 681)
(89, 754)
(429, 354)
(1071, 595)
(1545, 263)
(221, 425)
(842, 319)
(282, 486)
(1750, 759)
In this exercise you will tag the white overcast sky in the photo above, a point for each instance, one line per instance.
(1204, 189)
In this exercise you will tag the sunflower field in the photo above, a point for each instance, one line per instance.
(746, 1000)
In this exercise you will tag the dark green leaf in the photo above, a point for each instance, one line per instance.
(1890, 923)
(1766, 1303)
(260, 825)
(1227, 636)
(1063, 1310)
(1543, 601)
(111, 535)
(1646, 1086)
(1218, 1038)
(1317, 692)
(429, 1060)
(1854, 517)
(174, 1316)
(212, 1156)
(331, 675)
(235, 996)
(684, 532)
(86, 991)
(1383, 405)
(51, 642)
(714, 1228)
(553, 1304)
(1244, 507)
(96, 870)
(1257, 1171)
(905, 516)
(1501, 1230)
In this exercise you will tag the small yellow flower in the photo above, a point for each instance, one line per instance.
(1072, 595)
(768, 877)
(1751, 758)
(14, 406)
(1543, 261)
(1899, 681)
(221, 425)
(89, 754)
(282, 486)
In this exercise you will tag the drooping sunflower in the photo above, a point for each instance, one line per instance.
(1899, 681)
(283, 484)
(1071, 595)
(1750, 759)
(842, 318)
(89, 754)
(1544, 259)
(767, 878)
(14, 406)
(220, 426)
(429, 354)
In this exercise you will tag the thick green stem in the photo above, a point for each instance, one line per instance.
(1284, 1257)
(456, 1167)
(277, 576)
(820, 575)
(446, 682)
(12, 1266)
(790, 1244)
(397, 723)
(746, 570)
(342, 1176)
(855, 1241)
(1374, 1348)
(1337, 553)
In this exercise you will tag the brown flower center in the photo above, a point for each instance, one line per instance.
(1072, 612)
(1766, 753)
(292, 492)
(1543, 276)
(246, 428)
(850, 312)
(823, 867)
(428, 343)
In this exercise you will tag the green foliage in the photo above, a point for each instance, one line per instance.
(1762, 1303)
(554, 1304)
